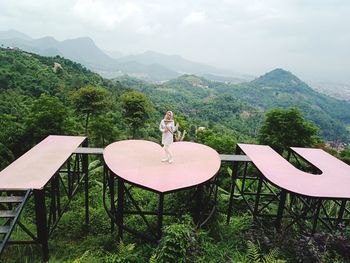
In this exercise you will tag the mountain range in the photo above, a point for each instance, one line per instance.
(201, 98)
(232, 109)
(149, 66)
(278, 88)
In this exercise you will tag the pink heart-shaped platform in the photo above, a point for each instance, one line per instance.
(139, 162)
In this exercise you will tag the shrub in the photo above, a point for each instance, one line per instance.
(178, 244)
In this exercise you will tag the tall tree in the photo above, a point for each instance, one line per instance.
(221, 143)
(91, 100)
(137, 109)
(103, 130)
(47, 116)
(285, 128)
(6, 156)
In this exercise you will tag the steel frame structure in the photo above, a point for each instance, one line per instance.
(61, 189)
(266, 200)
(118, 191)
(257, 194)
(325, 213)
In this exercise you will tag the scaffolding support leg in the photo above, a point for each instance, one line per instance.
(199, 195)
(120, 211)
(280, 210)
(41, 222)
(257, 198)
(316, 214)
(341, 212)
(160, 215)
(110, 182)
(233, 182)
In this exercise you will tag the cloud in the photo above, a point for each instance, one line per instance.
(195, 18)
(310, 38)
(105, 15)
(149, 29)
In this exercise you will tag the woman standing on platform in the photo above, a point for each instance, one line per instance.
(168, 128)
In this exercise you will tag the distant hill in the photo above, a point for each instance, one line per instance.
(114, 54)
(230, 109)
(280, 88)
(81, 50)
(174, 62)
(32, 74)
(183, 66)
(8, 34)
(276, 89)
(150, 66)
(194, 98)
(228, 79)
(84, 51)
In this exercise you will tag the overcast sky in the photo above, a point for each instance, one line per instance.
(310, 38)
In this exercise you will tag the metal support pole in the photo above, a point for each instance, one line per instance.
(315, 215)
(280, 209)
(54, 199)
(160, 215)
(257, 198)
(289, 154)
(120, 211)
(341, 211)
(216, 190)
(244, 176)
(110, 179)
(41, 222)
(58, 195)
(233, 181)
(69, 176)
(199, 194)
(86, 182)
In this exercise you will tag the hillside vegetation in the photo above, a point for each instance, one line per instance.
(32, 89)
(52, 95)
(240, 107)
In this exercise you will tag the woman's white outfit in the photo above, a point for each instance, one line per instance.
(167, 128)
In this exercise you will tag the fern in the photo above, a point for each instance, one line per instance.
(153, 259)
(272, 257)
(253, 253)
(125, 253)
(178, 244)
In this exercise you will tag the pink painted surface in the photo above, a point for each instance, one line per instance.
(36, 167)
(139, 162)
(334, 181)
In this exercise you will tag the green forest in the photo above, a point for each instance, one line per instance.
(241, 107)
(40, 96)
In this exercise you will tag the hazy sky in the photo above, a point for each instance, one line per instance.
(310, 38)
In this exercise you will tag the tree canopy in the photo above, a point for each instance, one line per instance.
(285, 128)
(89, 101)
(137, 109)
(47, 116)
